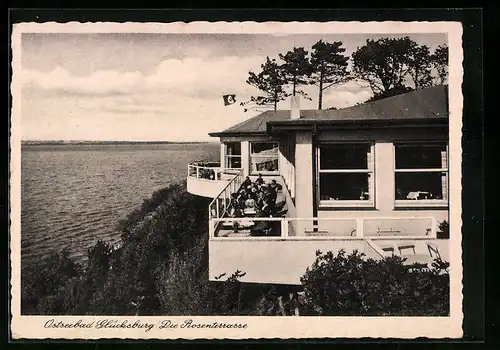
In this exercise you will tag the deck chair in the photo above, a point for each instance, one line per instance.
(389, 249)
(433, 250)
(405, 246)
(422, 260)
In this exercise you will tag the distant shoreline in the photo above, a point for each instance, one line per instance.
(63, 143)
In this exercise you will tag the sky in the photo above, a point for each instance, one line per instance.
(158, 87)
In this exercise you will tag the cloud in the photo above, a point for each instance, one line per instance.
(177, 100)
(347, 95)
(204, 78)
(196, 77)
(99, 83)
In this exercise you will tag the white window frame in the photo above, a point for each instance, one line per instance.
(252, 156)
(436, 203)
(370, 170)
(228, 156)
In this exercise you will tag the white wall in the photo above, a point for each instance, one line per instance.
(222, 156)
(303, 179)
(265, 261)
(284, 262)
(204, 187)
(245, 157)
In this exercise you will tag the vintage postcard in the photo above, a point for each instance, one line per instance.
(236, 180)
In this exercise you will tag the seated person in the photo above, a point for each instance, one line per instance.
(260, 199)
(270, 204)
(241, 200)
(240, 193)
(266, 228)
(250, 202)
(280, 209)
(272, 193)
(259, 180)
(265, 210)
(254, 193)
(276, 186)
(261, 228)
(236, 210)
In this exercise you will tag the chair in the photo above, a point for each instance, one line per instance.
(404, 246)
(421, 260)
(433, 250)
(388, 249)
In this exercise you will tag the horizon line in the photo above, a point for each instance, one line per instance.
(143, 141)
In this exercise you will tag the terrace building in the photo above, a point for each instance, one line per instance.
(372, 177)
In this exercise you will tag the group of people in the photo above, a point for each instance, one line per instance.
(256, 197)
(208, 174)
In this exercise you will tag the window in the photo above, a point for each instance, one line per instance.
(233, 155)
(264, 157)
(421, 174)
(345, 174)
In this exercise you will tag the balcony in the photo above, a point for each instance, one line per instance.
(207, 179)
(279, 249)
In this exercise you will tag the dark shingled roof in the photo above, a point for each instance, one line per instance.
(424, 104)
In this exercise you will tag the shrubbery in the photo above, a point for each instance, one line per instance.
(45, 285)
(352, 285)
(161, 268)
(444, 230)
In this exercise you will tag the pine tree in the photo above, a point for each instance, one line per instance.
(271, 82)
(296, 68)
(440, 62)
(329, 66)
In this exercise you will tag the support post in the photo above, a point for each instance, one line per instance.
(304, 178)
(359, 228)
(284, 228)
(245, 158)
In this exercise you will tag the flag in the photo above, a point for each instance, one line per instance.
(229, 99)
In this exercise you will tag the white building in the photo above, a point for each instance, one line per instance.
(372, 177)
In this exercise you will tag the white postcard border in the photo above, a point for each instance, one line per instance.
(28, 327)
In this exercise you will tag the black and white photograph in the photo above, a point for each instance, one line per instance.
(205, 180)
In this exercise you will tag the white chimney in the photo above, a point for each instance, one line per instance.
(295, 108)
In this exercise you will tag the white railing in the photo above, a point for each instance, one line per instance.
(205, 170)
(251, 228)
(219, 206)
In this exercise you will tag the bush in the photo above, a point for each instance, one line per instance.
(341, 285)
(43, 285)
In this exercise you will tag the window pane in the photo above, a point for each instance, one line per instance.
(262, 149)
(264, 164)
(346, 156)
(420, 185)
(343, 186)
(233, 162)
(233, 149)
(420, 156)
(264, 156)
